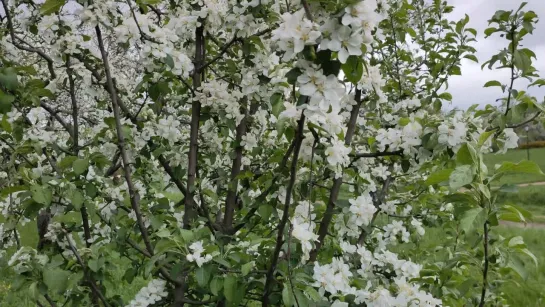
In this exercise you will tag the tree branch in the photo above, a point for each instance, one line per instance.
(134, 197)
(94, 288)
(194, 130)
(297, 141)
(230, 201)
(485, 269)
(333, 195)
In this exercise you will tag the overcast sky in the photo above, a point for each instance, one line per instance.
(468, 88)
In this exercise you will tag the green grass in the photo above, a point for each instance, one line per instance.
(536, 154)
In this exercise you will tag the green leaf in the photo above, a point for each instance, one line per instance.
(313, 294)
(80, 166)
(353, 69)
(56, 279)
(51, 6)
(265, 211)
(41, 194)
(232, 290)
(517, 265)
(529, 254)
(473, 218)
(90, 190)
(472, 57)
(446, 96)
(187, 235)
(216, 285)
(8, 78)
(485, 136)
(33, 290)
(461, 176)
(492, 83)
(287, 296)
(246, 268)
(6, 101)
(466, 155)
(202, 275)
(489, 31)
(76, 198)
(163, 233)
(439, 176)
(277, 104)
(526, 167)
(169, 61)
(293, 74)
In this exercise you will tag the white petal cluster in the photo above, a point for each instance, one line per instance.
(304, 227)
(333, 278)
(294, 33)
(391, 231)
(511, 139)
(405, 138)
(452, 134)
(150, 294)
(24, 259)
(197, 254)
(338, 155)
(362, 209)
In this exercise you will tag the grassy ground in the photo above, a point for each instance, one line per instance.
(536, 154)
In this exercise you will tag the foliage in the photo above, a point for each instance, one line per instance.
(255, 153)
(515, 156)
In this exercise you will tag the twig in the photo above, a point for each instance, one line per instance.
(512, 67)
(173, 176)
(74, 102)
(307, 10)
(377, 154)
(194, 129)
(56, 115)
(230, 201)
(335, 188)
(85, 271)
(298, 139)
(134, 197)
(485, 269)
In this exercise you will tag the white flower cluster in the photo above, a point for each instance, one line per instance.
(362, 209)
(357, 24)
(511, 139)
(338, 156)
(150, 294)
(24, 259)
(406, 138)
(303, 227)
(196, 256)
(391, 231)
(294, 33)
(453, 133)
(333, 278)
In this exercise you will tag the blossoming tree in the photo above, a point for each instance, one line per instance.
(255, 153)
